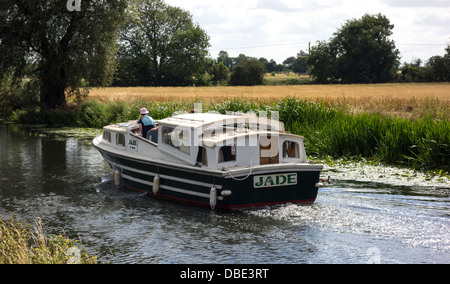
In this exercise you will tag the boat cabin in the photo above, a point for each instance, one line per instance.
(211, 141)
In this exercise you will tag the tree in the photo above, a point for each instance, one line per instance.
(359, 52)
(64, 48)
(271, 66)
(220, 72)
(322, 62)
(248, 72)
(438, 67)
(162, 46)
(289, 62)
(300, 65)
(241, 58)
(226, 59)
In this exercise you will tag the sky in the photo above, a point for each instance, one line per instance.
(278, 29)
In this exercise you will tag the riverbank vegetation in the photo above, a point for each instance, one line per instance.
(21, 243)
(407, 131)
(413, 100)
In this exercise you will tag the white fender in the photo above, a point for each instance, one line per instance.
(117, 178)
(156, 182)
(213, 197)
(226, 193)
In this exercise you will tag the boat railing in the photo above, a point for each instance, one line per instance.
(134, 135)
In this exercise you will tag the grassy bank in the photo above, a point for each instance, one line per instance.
(21, 243)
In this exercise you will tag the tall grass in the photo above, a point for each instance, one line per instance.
(329, 130)
(422, 143)
(19, 244)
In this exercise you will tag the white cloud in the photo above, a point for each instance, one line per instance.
(277, 29)
(417, 3)
(279, 6)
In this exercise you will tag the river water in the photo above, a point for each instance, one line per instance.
(368, 214)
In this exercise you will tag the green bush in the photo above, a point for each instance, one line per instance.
(248, 73)
(16, 96)
(93, 114)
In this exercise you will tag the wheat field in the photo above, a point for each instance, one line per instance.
(407, 100)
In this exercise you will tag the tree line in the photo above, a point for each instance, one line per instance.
(48, 53)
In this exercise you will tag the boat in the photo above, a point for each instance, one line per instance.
(233, 161)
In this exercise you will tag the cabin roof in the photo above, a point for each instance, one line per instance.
(195, 120)
(121, 128)
(222, 139)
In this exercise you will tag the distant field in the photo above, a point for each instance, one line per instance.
(407, 100)
(282, 78)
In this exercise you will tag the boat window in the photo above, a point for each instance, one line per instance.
(268, 150)
(107, 136)
(120, 139)
(177, 138)
(227, 153)
(290, 150)
(201, 157)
